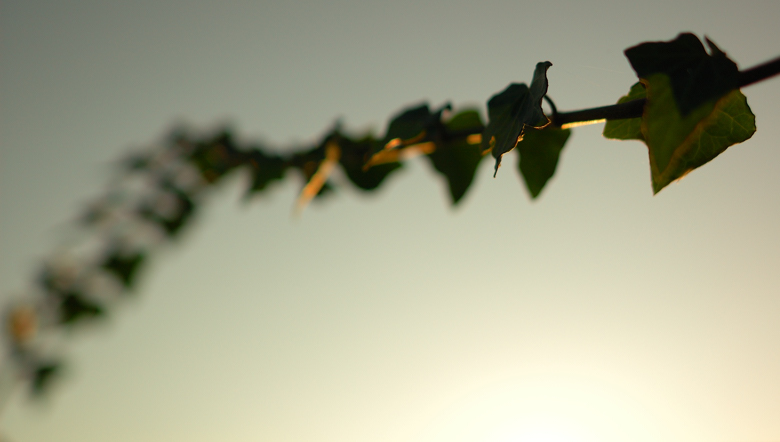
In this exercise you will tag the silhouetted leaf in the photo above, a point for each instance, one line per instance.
(172, 223)
(75, 307)
(215, 158)
(679, 144)
(136, 162)
(539, 152)
(411, 126)
(265, 169)
(695, 76)
(627, 128)
(308, 162)
(48, 280)
(317, 181)
(456, 156)
(42, 377)
(409, 123)
(512, 109)
(124, 266)
(354, 154)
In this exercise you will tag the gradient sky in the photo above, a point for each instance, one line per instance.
(598, 313)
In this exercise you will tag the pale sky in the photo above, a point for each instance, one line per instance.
(597, 313)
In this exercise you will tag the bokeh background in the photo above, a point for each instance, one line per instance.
(597, 313)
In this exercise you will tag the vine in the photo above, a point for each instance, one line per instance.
(687, 108)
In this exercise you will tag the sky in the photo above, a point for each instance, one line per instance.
(596, 313)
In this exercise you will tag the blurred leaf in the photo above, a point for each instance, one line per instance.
(695, 76)
(47, 279)
(317, 181)
(409, 123)
(42, 377)
(215, 158)
(411, 126)
(539, 152)
(74, 307)
(136, 162)
(354, 154)
(308, 163)
(172, 224)
(627, 128)
(124, 267)
(455, 157)
(512, 109)
(679, 144)
(265, 169)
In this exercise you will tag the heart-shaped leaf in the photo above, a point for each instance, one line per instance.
(409, 127)
(627, 128)
(679, 144)
(265, 168)
(539, 152)
(42, 376)
(512, 109)
(695, 76)
(124, 266)
(457, 157)
(353, 159)
(694, 110)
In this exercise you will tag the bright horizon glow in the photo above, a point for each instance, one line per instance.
(543, 408)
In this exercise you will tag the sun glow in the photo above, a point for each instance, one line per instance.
(544, 410)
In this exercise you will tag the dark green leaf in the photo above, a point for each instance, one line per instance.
(74, 307)
(409, 123)
(410, 126)
(679, 144)
(215, 158)
(136, 162)
(511, 110)
(455, 157)
(539, 152)
(627, 128)
(307, 163)
(696, 77)
(265, 169)
(42, 376)
(124, 267)
(172, 224)
(354, 154)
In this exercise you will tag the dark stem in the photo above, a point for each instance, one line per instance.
(633, 109)
(759, 73)
(629, 109)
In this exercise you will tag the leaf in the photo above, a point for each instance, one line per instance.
(411, 126)
(172, 223)
(316, 181)
(42, 376)
(511, 110)
(265, 169)
(457, 157)
(124, 267)
(627, 128)
(74, 307)
(215, 158)
(679, 144)
(696, 77)
(409, 123)
(315, 166)
(353, 158)
(539, 152)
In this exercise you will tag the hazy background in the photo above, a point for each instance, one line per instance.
(598, 313)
